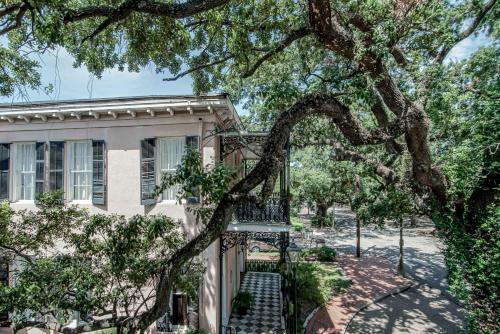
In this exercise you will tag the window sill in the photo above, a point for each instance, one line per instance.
(80, 202)
(24, 201)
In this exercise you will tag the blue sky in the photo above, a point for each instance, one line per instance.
(77, 83)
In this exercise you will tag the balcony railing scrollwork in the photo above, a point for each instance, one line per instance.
(274, 212)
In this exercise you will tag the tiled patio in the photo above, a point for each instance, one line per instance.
(265, 316)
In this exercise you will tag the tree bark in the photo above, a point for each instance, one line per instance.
(321, 209)
(267, 168)
(358, 237)
(336, 37)
(401, 269)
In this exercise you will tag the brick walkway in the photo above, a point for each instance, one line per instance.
(371, 277)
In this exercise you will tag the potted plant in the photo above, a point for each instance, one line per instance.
(243, 302)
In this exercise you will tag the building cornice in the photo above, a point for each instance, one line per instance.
(114, 108)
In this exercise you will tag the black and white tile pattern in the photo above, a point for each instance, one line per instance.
(265, 316)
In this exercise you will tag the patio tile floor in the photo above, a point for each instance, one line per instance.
(265, 316)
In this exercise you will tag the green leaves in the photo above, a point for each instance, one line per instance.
(66, 260)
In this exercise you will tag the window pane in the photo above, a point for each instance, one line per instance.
(81, 170)
(25, 171)
(171, 151)
(56, 166)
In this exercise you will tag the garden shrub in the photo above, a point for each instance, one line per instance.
(318, 221)
(316, 281)
(322, 254)
(297, 225)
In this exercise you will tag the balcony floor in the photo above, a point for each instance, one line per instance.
(265, 316)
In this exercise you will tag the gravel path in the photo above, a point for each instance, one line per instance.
(425, 308)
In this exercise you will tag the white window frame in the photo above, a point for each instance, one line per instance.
(160, 170)
(17, 175)
(70, 149)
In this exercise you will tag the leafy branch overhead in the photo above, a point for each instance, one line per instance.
(368, 78)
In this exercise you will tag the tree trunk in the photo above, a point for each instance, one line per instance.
(401, 269)
(321, 210)
(358, 237)
(333, 217)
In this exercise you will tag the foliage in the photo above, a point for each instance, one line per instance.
(316, 281)
(318, 221)
(243, 301)
(297, 225)
(322, 254)
(464, 110)
(207, 182)
(315, 181)
(257, 56)
(68, 260)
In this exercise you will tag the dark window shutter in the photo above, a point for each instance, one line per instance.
(39, 168)
(193, 143)
(98, 172)
(56, 166)
(4, 171)
(148, 172)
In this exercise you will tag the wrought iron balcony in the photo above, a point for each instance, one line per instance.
(274, 212)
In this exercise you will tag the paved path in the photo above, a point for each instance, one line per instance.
(425, 308)
(370, 277)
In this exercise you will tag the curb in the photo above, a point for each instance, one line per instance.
(376, 300)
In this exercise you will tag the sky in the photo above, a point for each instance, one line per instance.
(76, 83)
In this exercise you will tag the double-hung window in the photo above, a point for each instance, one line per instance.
(25, 171)
(80, 170)
(170, 153)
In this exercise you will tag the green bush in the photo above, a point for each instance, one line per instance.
(323, 254)
(318, 221)
(297, 225)
(317, 281)
(326, 254)
(243, 301)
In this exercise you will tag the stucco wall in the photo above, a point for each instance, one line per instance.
(122, 139)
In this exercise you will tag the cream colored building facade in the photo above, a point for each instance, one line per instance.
(119, 127)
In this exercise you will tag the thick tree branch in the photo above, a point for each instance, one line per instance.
(312, 104)
(336, 38)
(293, 36)
(23, 8)
(340, 153)
(170, 9)
(476, 22)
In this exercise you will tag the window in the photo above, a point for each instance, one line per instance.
(4, 171)
(170, 152)
(80, 170)
(25, 172)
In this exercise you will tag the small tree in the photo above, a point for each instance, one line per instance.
(106, 267)
(395, 202)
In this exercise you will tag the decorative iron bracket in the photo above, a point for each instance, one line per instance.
(280, 240)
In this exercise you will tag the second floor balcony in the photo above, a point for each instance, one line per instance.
(276, 209)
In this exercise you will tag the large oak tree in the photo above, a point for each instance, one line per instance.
(368, 67)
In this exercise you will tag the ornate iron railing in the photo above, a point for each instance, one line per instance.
(275, 211)
(266, 266)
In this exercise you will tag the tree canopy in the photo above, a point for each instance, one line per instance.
(368, 78)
